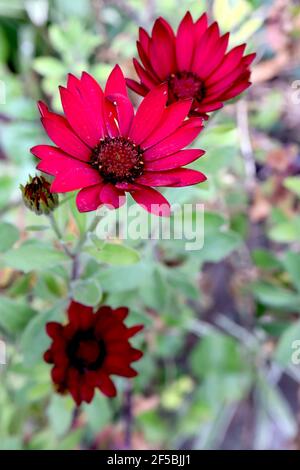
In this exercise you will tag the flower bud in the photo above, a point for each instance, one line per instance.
(37, 196)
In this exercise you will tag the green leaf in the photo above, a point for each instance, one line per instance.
(284, 350)
(216, 353)
(124, 278)
(49, 66)
(98, 412)
(59, 413)
(87, 292)
(116, 254)
(291, 263)
(9, 234)
(218, 246)
(34, 256)
(35, 340)
(293, 184)
(14, 315)
(286, 232)
(265, 259)
(275, 296)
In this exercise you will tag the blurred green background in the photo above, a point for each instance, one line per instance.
(220, 322)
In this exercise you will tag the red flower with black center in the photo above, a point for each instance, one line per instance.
(194, 64)
(105, 149)
(90, 348)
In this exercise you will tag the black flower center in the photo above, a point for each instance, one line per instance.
(184, 85)
(85, 352)
(118, 160)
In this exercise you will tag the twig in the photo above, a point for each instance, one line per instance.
(245, 143)
(9, 206)
(59, 235)
(128, 418)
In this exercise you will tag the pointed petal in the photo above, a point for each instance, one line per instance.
(176, 141)
(88, 199)
(171, 119)
(181, 158)
(162, 50)
(112, 196)
(116, 82)
(62, 135)
(149, 113)
(136, 87)
(153, 202)
(76, 177)
(185, 43)
(125, 112)
(79, 117)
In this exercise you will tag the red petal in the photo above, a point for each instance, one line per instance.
(152, 201)
(76, 311)
(176, 141)
(53, 160)
(54, 329)
(94, 97)
(171, 119)
(112, 196)
(181, 158)
(185, 43)
(162, 50)
(116, 82)
(88, 199)
(107, 386)
(137, 87)
(149, 113)
(121, 313)
(76, 177)
(62, 135)
(125, 112)
(177, 178)
(79, 118)
(146, 77)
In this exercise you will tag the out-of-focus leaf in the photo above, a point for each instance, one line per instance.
(293, 184)
(115, 254)
(9, 234)
(265, 259)
(216, 353)
(59, 413)
(291, 263)
(275, 296)
(35, 340)
(285, 348)
(34, 256)
(14, 315)
(87, 291)
(98, 412)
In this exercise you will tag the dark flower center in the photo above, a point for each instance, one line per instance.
(118, 160)
(183, 85)
(85, 352)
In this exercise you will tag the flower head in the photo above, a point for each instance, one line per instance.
(105, 149)
(37, 196)
(193, 63)
(88, 349)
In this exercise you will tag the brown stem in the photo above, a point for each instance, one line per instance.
(128, 417)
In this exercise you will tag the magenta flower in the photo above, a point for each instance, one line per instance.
(105, 149)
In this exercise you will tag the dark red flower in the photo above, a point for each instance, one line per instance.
(194, 63)
(90, 348)
(105, 149)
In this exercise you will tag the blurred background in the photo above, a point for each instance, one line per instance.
(219, 370)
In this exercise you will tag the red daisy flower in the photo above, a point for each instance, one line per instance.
(194, 64)
(105, 149)
(90, 348)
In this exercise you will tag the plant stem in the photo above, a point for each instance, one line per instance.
(128, 417)
(59, 235)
